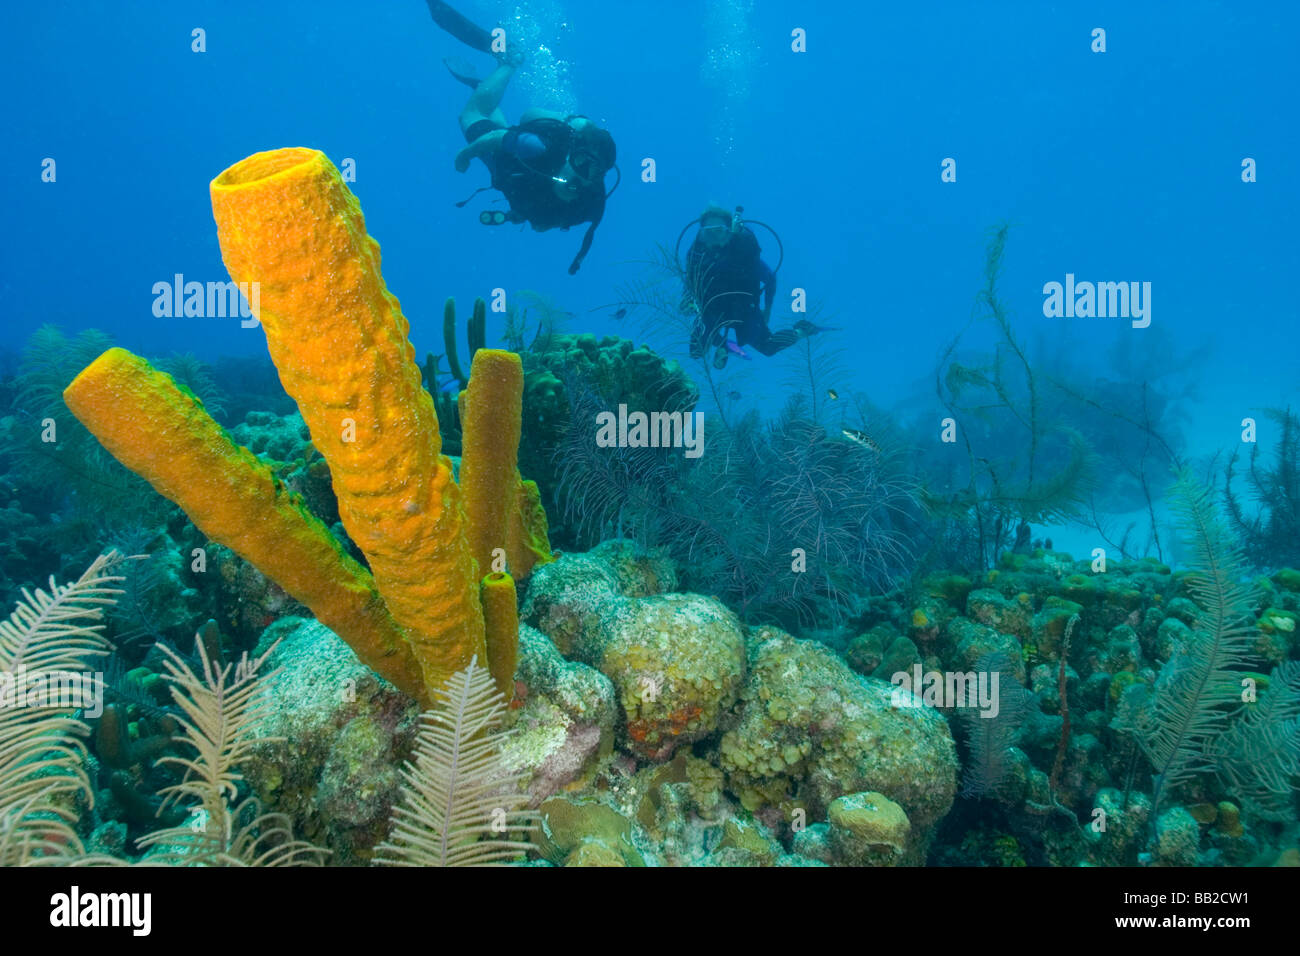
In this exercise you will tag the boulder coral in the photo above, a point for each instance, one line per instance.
(614, 368)
(676, 660)
(564, 719)
(327, 754)
(810, 730)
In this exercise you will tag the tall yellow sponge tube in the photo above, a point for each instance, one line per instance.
(164, 435)
(490, 422)
(501, 614)
(286, 221)
(502, 510)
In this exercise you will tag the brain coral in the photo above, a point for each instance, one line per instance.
(811, 730)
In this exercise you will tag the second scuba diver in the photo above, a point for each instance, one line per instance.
(725, 278)
(551, 167)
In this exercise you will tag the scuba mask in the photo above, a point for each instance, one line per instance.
(716, 233)
(585, 166)
(715, 227)
(591, 150)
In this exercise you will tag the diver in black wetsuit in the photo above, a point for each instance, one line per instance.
(725, 278)
(551, 167)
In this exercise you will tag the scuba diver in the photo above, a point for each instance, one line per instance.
(725, 277)
(550, 168)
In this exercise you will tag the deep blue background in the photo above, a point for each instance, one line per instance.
(1115, 166)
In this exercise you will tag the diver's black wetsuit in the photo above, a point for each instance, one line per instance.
(530, 162)
(726, 283)
(525, 174)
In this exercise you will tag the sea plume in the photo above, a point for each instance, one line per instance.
(42, 757)
(1179, 723)
(221, 706)
(458, 797)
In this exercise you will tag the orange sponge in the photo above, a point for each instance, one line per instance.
(164, 435)
(490, 424)
(501, 614)
(286, 221)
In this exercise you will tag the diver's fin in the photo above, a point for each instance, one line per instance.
(462, 71)
(459, 26)
(806, 328)
(735, 349)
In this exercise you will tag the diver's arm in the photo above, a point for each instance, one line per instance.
(576, 264)
(484, 146)
(586, 240)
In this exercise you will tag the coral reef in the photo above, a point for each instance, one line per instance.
(838, 506)
(562, 367)
(327, 754)
(750, 666)
(564, 719)
(786, 726)
(1079, 791)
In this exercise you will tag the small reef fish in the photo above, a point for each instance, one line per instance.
(832, 394)
(861, 438)
(734, 396)
(621, 313)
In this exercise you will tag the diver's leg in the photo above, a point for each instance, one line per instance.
(701, 338)
(485, 102)
(697, 343)
(754, 331)
(536, 112)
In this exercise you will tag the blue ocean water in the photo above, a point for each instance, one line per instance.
(1123, 165)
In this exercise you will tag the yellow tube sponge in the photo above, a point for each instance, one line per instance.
(164, 435)
(501, 614)
(286, 221)
(490, 422)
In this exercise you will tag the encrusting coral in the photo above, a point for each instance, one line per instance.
(286, 221)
